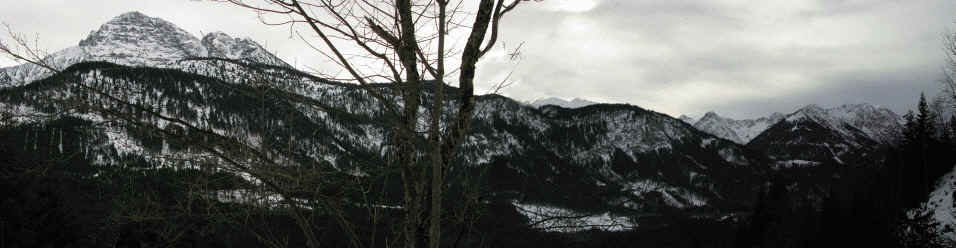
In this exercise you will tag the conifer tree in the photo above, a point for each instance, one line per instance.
(909, 127)
(924, 121)
(924, 131)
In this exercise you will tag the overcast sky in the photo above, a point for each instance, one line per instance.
(739, 58)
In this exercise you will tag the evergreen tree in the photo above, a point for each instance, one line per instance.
(909, 127)
(925, 126)
(921, 140)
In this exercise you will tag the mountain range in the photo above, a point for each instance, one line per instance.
(877, 123)
(578, 156)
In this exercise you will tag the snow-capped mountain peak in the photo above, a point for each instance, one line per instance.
(739, 131)
(836, 135)
(811, 111)
(573, 103)
(136, 39)
(879, 123)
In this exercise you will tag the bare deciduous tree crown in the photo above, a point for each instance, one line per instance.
(402, 42)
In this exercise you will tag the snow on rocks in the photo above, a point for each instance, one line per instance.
(796, 163)
(878, 123)
(941, 204)
(135, 39)
(738, 131)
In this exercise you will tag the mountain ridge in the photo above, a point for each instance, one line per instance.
(136, 39)
(739, 131)
(573, 103)
(879, 123)
(836, 135)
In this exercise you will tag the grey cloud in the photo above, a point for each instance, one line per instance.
(694, 56)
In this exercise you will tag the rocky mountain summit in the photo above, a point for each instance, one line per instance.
(877, 123)
(135, 39)
(573, 103)
(838, 135)
(739, 131)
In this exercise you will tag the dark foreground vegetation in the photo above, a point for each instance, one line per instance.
(54, 199)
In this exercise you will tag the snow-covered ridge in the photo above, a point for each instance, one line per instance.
(815, 135)
(738, 131)
(687, 119)
(221, 45)
(878, 123)
(138, 40)
(573, 103)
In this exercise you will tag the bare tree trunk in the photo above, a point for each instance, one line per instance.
(434, 230)
(411, 93)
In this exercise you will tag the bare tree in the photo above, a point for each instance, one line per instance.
(408, 40)
(949, 81)
(409, 44)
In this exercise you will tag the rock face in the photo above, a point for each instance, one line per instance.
(135, 39)
(687, 119)
(739, 131)
(221, 45)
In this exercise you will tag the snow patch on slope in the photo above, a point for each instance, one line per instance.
(673, 196)
(796, 163)
(556, 219)
(941, 205)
